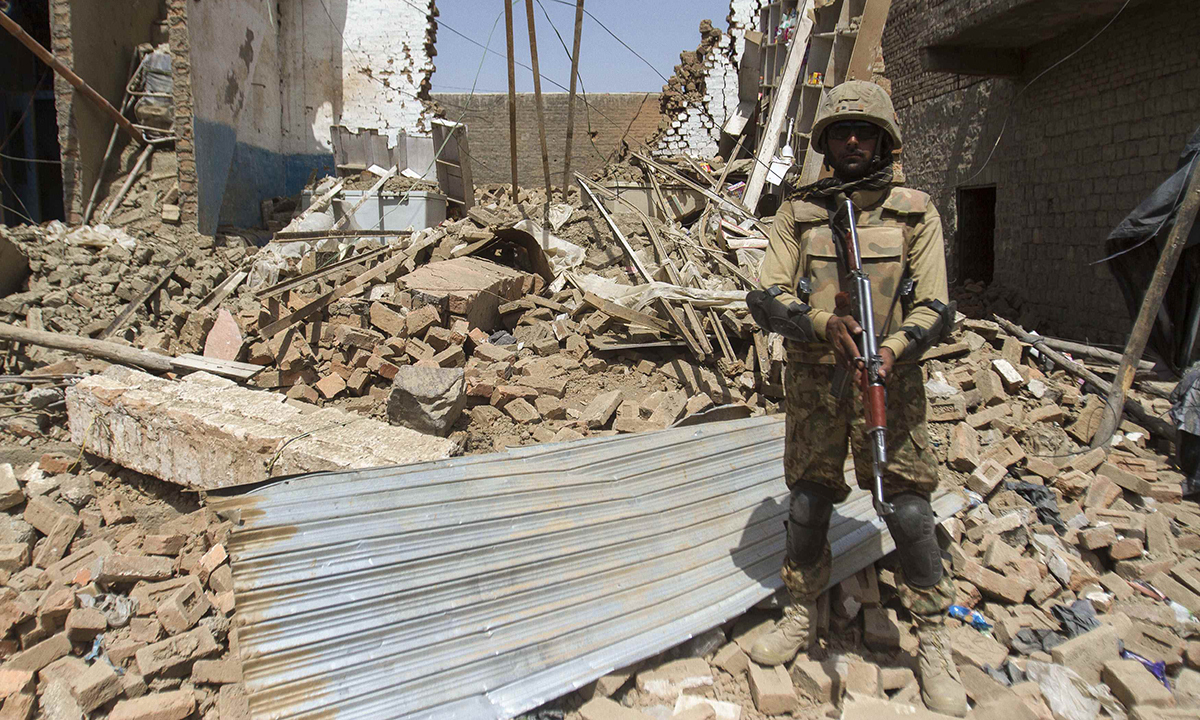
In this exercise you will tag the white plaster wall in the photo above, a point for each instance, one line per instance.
(696, 131)
(225, 38)
(360, 64)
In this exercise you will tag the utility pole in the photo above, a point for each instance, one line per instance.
(571, 96)
(537, 97)
(512, 95)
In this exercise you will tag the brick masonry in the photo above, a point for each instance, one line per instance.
(613, 118)
(1083, 145)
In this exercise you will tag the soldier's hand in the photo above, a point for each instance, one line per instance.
(889, 359)
(840, 332)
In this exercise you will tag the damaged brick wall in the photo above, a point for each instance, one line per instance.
(703, 92)
(1082, 147)
(185, 145)
(613, 118)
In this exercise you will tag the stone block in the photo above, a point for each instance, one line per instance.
(1088, 653)
(602, 708)
(857, 707)
(14, 557)
(205, 432)
(522, 412)
(174, 705)
(881, 629)
(1124, 479)
(387, 320)
(1125, 549)
(607, 685)
(1046, 413)
(428, 400)
(120, 568)
(1096, 538)
(183, 608)
(964, 448)
(818, 681)
(40, 655)
(96, 686)
(990, 387)
(10, 491)
(771, 688)
(979, 685)
(1089, 460)
(994, 584)
(1005, 707)
(601, 409)
(720, 710)
(176, 653)
(1154, 643)
(862, 678)
(1133, 684)
(986, 477)
(731, 659)
(470, 287)
(972, 647)
(1006, 454)
(671, 678)
(217, 672)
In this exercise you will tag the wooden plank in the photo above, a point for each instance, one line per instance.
(321, 202)
(780, 103)
(632, 317)
(120, 320)
(870, 33)
(681, 329)
(282, 287)
(103, 349)
(571, 95)
(222, 291)
(612, 225)
(616, 347)
(722, 201)
(722, 338)
(374, 273)
(292, 235)
(239, 371)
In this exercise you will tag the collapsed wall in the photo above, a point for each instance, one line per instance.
(703, 92)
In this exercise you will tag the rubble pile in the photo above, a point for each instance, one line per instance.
(117, 597)
(1076, 570)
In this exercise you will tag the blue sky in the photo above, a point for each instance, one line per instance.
(657, 29)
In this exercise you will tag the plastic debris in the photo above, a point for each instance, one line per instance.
(970, 617)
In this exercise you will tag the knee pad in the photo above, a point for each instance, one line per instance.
(911, 525)
(808, 525)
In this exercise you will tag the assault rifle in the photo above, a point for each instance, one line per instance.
(874, 395)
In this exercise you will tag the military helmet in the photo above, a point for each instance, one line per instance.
(855, 100)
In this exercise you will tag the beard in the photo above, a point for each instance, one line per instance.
(852, 166)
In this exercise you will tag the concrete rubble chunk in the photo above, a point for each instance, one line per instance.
(428, 400)
(671, 678)
(467, 286)
(1134, 685)
(206, 432)
(1088, 653)
(174, 705)
(10, 491)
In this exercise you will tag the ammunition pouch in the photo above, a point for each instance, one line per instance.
(790, 321)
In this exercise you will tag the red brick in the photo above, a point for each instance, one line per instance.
(175, 705)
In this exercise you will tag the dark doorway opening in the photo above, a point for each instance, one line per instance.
(31, 188)
(975, 243)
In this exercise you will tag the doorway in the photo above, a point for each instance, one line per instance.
(975, 242)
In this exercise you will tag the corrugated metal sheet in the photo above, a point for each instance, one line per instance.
(483, 586)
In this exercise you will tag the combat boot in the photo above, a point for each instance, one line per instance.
(941, 687)
(791, 635)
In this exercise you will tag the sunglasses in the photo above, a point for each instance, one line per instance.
(862, 130)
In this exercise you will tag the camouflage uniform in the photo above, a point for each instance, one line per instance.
(896, 226)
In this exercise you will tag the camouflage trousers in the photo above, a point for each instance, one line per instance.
(820, 430)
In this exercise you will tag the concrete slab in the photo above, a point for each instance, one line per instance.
(205, 432)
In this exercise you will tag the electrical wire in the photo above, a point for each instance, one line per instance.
(614, 35)
(1013, 102)
(39, 161)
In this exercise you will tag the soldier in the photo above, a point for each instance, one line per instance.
(902, 250)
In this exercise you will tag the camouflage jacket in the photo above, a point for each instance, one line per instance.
(896, 226)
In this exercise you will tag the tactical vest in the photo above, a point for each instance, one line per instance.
(885, 231)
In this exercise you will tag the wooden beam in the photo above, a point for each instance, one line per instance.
(630, 316)
(1146, 419)
(681, 329)
(282, 287)
(222, 291)
(780, 104)
(57, 65)
(103, 349)
(612, 225)
(571, 95)
(380, 270)
(1167, 260)
(866, 43)
(132, 177)
(537, 99)
(512, 95)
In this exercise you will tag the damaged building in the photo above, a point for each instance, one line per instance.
(309, 409)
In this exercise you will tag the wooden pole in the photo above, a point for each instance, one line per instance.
(1144, 418)
(571, 95)
(779, 106)
(537, 97)
(103, 349)
(47, 57)
(1161, 279)
(512, 95)
(143, 157)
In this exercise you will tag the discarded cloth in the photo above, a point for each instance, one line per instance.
(1043, 500)
(1077, 619)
